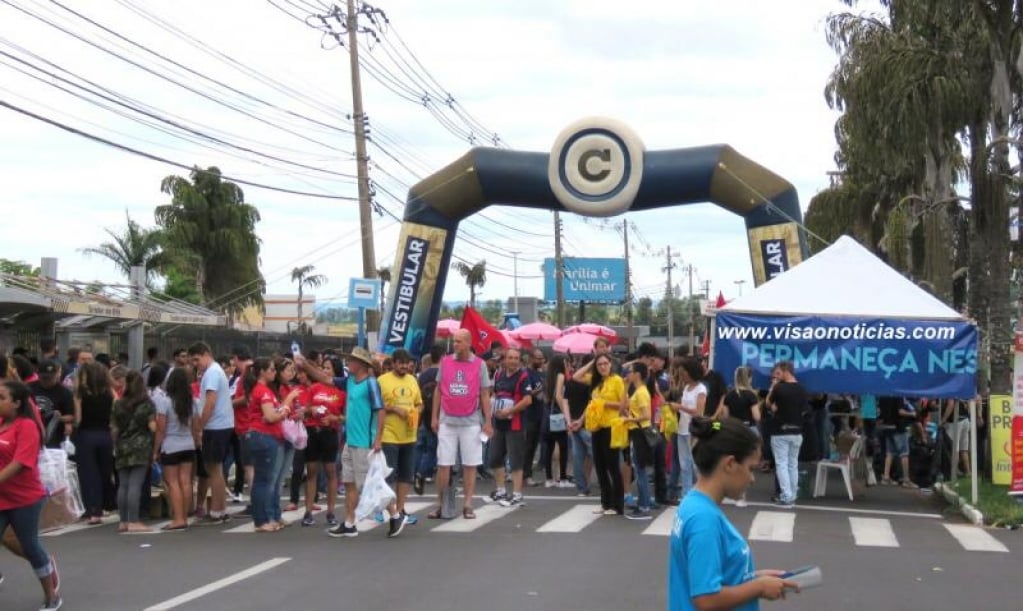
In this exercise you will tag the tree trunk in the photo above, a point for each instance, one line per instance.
(300, 321)
(979, 258)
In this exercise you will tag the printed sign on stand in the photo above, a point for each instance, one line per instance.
(1016, 486)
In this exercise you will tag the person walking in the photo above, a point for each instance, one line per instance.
(710, 565)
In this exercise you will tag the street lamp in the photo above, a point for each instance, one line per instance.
(739, 283)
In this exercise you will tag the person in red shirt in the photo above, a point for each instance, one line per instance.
(324, 406)
(265, 440)
(22, 495)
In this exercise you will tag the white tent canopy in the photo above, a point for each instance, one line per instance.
(846, 280)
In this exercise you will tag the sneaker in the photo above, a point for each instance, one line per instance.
(565, 484)
(212, 520)
(397, 524)
(247, 511)
(638, 514)
(429, 480)
(498, 495)
(331, 520)
(342, 530)
(54, 576)
(630, 500)
(308, 520)
(379, 517)
(550, 484)
(515, 500)
(785, 504)
(53, 605)
(411, 519)
(583, 493)
(418, 484)
(741, 503)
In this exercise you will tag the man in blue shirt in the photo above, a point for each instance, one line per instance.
(217, 424)
(364, 426)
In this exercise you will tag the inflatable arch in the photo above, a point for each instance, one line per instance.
(597, 167)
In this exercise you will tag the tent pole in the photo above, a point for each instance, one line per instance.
(713, 334)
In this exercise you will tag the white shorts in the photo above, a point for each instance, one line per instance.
(452, 440)
(959, 429)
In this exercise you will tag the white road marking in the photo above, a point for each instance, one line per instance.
(250, 527)
(975, 539)
(484, 515)
(772, 526)
(77, 526)
(187, 597)
(571, 521)
(875, 512)
(873, 532)
(370, 523)
(661, 526)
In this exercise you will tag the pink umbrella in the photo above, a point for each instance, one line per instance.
(513, 342)
(447, 327)
(593, 329)
(575, 343)
(536, 331)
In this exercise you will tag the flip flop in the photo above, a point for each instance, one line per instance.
(170, 528)
(435, 515)
(468, 513)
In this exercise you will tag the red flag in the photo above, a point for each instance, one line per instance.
(705, 348)
(483, 334)
(721, 300)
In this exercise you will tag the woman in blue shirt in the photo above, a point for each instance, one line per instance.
(710, 565)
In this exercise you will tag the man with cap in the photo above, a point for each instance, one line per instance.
(364, 424)
(55, 401)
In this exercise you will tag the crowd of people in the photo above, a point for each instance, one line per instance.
(595, 424)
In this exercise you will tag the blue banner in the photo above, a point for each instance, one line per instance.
(852, 355)
(586, 279)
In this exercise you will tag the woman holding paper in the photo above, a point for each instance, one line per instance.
(710, 565)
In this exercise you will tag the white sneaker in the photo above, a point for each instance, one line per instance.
(550, 484)
(741, 503)
(565, 484)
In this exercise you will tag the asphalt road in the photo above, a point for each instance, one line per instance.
(551, 554)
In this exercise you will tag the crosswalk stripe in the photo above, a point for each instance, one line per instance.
(77, 526)
(250, 527)
(873, 532)
(661, 526)
(572, 521)
(975, 539)
(484, 515)
(410, 507)
(772, 526)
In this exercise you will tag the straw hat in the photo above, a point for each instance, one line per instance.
(361, 354)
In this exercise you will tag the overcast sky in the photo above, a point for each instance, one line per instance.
(747, 73)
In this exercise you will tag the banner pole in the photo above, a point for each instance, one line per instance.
(973, 452)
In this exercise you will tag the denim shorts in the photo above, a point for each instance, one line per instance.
(897, 444)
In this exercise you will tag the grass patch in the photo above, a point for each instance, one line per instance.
(993, 501)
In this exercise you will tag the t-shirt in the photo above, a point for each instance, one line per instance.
(716, 389)
(706, 554)
(177, 435)
(53, 402)
(363, 404)
(868, 407)
(890, 416)
(639, 405)
(96, 412)
(403, 392)
(578, 396)
(241, 412)
(427, 386)
(611, 389)
(791, 399)
(689, 399)
(322, 400)
(214, 379)
(535, 409)
(509, 389)
(261, 395)
(20, 443)
(740, 404)
(134, 445)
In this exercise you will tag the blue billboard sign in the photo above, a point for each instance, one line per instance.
(588, 280)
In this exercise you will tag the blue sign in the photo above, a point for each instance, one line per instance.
(905, 358)
(364, 293)
(589, 280)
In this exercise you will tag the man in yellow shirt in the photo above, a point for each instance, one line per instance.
(403, 405)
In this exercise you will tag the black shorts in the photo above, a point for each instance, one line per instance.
(322, 446)
(401, 458)
(200, 465)
(177, 458)
(216, 443)
(510, 444)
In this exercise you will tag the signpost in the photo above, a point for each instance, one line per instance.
(363, 294)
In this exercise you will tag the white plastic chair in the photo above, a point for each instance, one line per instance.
(844, 465)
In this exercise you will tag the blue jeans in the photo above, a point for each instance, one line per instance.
(642, 483)
(266, 453)
(426, 453)
(284, 466)
(582, 446)
(786, 463)
(25, 523)
(687, 470)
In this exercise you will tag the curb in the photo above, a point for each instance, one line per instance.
(970, 512)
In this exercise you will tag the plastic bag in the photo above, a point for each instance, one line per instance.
(53, 469)
(67, 446)
(619, 434)
(60, 479)
(669, 421)
(375, 495)
(594, 415)
(295, 433)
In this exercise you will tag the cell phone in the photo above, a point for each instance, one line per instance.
(296, 350)
(805, 577)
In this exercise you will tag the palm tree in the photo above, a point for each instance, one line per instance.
(209, 225)
(475, 276)
(135, 246)
(384, 274)
(304, 277)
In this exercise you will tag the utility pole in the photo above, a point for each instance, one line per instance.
(706, 289)
(361, 159)
(692, 318)
(669, 295)
(559, 271)
(515, 286)
(628, 289)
